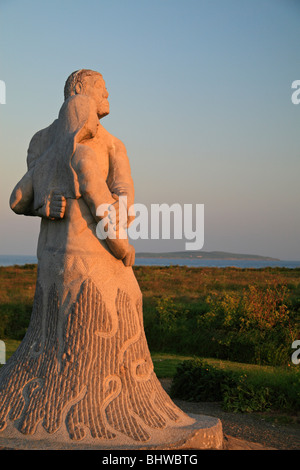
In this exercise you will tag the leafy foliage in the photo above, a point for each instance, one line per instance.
(255, 324)
(244, 315)
(196, 380)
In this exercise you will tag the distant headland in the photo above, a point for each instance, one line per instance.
(221, 255)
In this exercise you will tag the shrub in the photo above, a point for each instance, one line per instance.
(195, 380)
(244, 397)
(166, 313)
(256, 325)
(165, 324)
(14, 320)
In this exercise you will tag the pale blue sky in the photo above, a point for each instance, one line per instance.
(200, 93)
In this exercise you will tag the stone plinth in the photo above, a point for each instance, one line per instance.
(204, 433)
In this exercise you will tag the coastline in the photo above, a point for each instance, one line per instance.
(13, 260)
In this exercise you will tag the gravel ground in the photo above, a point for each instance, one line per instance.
(253, 428)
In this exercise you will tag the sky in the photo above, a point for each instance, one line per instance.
(200, 94)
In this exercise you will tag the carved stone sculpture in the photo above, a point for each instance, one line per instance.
(83, 371)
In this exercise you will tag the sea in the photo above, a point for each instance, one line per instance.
(11, 260)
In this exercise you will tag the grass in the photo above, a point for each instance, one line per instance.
(165, 366)
(184, 288)
(18, 282)
(11, 346)
(187, 288)
(189, 284)
(285, 380)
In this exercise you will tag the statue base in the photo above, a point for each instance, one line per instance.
(205, 433)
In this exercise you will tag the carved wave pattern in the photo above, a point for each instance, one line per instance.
(91, 372)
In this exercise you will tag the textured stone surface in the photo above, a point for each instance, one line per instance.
(204, 433)
(88, 371)
(83, 372)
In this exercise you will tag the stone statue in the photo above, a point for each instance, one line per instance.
(83, 371)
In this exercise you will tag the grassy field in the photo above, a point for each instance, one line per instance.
(245, 315)
(188, 284)
(281, 383)
(240, 320)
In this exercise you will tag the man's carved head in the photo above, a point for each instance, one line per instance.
(91, 83)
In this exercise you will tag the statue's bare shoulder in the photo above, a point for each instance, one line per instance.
(119, 176)
(112, 143)
(116, 150)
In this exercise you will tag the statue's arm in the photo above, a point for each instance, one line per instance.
(119, 178)
(95, 192)
(21, 200)
(92, 186)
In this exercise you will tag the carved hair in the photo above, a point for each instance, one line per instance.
(79, 76)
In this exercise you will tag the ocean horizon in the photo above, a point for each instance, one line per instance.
(21, 260)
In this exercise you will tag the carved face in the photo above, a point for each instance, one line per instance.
(94, 87)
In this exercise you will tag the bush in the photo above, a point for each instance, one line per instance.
(14, 320)
(165, 324)
(244, 397)
(256, 325)
(195, 380)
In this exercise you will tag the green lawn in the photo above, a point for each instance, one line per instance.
(285, 380)
(165, 366)
(201, 312)
(11, 345)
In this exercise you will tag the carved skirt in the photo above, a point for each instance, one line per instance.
(83, 369)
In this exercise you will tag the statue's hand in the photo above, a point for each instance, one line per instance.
(55, 207)
(130, 257)
(117, 221)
